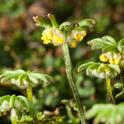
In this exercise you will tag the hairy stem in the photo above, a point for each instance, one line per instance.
(109, 91)
(29, 93)
(71, 81)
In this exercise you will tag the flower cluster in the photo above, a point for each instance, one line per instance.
(57, 37)
(67, 32)
(53, 35)
(111, 57)
(112, 51)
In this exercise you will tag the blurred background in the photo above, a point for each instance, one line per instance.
(21, 47)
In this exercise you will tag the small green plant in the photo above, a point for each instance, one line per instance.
(101, 70)
(66, 34)
(111, 65)
(16, 105)
(106, 113)
(24, 80)
(22, 109)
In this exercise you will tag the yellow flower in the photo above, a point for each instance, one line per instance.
(111, 61)
(111, 57)
(79, 35)
(117, 58)
(75, 37)
(58, 37)
(47, 36)
(103, 58)
(52, 35)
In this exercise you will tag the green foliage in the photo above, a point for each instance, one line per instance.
(42, 119)
(71, 108)
(11, 7)
(87, 24)
(22, 78)
(121, 45)
(100, 70)
(17, 105)
(104, 43)
(20, 103)
(107, 43)
(106, 113)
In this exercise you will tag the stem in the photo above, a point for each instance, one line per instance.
(72, 85)
(109, 91)
(13, 116)
(119, 94)
(29, 93)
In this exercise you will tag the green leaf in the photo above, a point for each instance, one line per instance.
(4, 98)
(110, 39)
(40, 78)
(100, 70)
(103, 43)
(108, 49)
(91, 68)
(25, 119)
(8, 75)
(103, 115)
(121, 45)
(115, 68)
(106, 113)
(24, 101)
(84, 66)
(23, 78)
(87, 23)
(94, 111)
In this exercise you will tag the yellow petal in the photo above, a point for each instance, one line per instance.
(116, 60)
(103, 58)
(80, 35)
(47, 36)
(111, 61)
(57, 40)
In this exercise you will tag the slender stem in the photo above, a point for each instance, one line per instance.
(29, 93)
(109, 90)
(71, 82)
(119, 94)
(13, 116)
